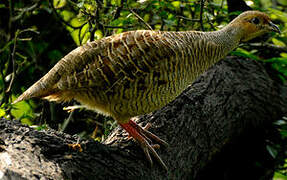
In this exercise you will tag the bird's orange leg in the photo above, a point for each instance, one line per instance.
(143, 137)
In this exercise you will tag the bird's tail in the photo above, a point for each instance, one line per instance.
(46, 87)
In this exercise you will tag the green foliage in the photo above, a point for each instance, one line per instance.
(244, 53)
(279, 176)
(277, 150)
(24, 112)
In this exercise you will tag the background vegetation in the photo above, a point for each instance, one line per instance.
(34, 35)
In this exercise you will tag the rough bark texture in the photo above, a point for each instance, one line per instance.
(211, 127)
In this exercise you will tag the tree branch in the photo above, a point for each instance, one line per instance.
(141, 19)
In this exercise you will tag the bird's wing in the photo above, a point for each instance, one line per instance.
(127, 55)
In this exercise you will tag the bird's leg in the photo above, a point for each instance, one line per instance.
(144, 137)
(146, 127)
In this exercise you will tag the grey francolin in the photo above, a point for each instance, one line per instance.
(137, 72)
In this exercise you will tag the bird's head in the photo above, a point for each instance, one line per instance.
(253, 24)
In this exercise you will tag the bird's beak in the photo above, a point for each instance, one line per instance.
(274, 28)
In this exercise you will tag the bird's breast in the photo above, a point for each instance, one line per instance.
(150, 91)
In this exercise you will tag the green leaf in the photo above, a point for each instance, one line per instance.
(283, 133)
(84, 34)
(59, 3)
(81, 4)
(2, 112)
(283, 2)
(272, 151)
(79, 33)
(278, 42)
(280, 122)
(176, 4)
(282, 60)
(98, 34)
(266, 3)
(278, 14)
(22, 111)
(243, 53)
(278, 176)
(67, 15)
(42, 127)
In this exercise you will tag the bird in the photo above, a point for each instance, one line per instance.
(137, 72)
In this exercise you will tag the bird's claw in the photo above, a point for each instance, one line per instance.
(144, 137)
(147, 148)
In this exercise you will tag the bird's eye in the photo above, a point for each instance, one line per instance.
(255, 20)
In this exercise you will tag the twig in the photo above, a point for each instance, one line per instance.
(95, 18)
(24, 10)
(117, 12)
(268, 45)
(3, 80)
(29, 30)
(188, 19)
(92, 30)
(11, 11)
(13, 61)
(17, 33)
(162, 24)
(210, 23)
(201, 13)
(146, 24)
(6, 46)
(66, 122)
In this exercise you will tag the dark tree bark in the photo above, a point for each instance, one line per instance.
(214, 129)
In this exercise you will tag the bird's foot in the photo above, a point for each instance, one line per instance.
(76, 147)
(144, 137)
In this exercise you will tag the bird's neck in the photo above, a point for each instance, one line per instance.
(229, 38)
(221, 42)
(232, 32)
(207, 48)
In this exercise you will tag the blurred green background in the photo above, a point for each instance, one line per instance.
(34, 35)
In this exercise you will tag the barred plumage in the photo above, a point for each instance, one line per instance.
(132, 73)
(137, 72)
